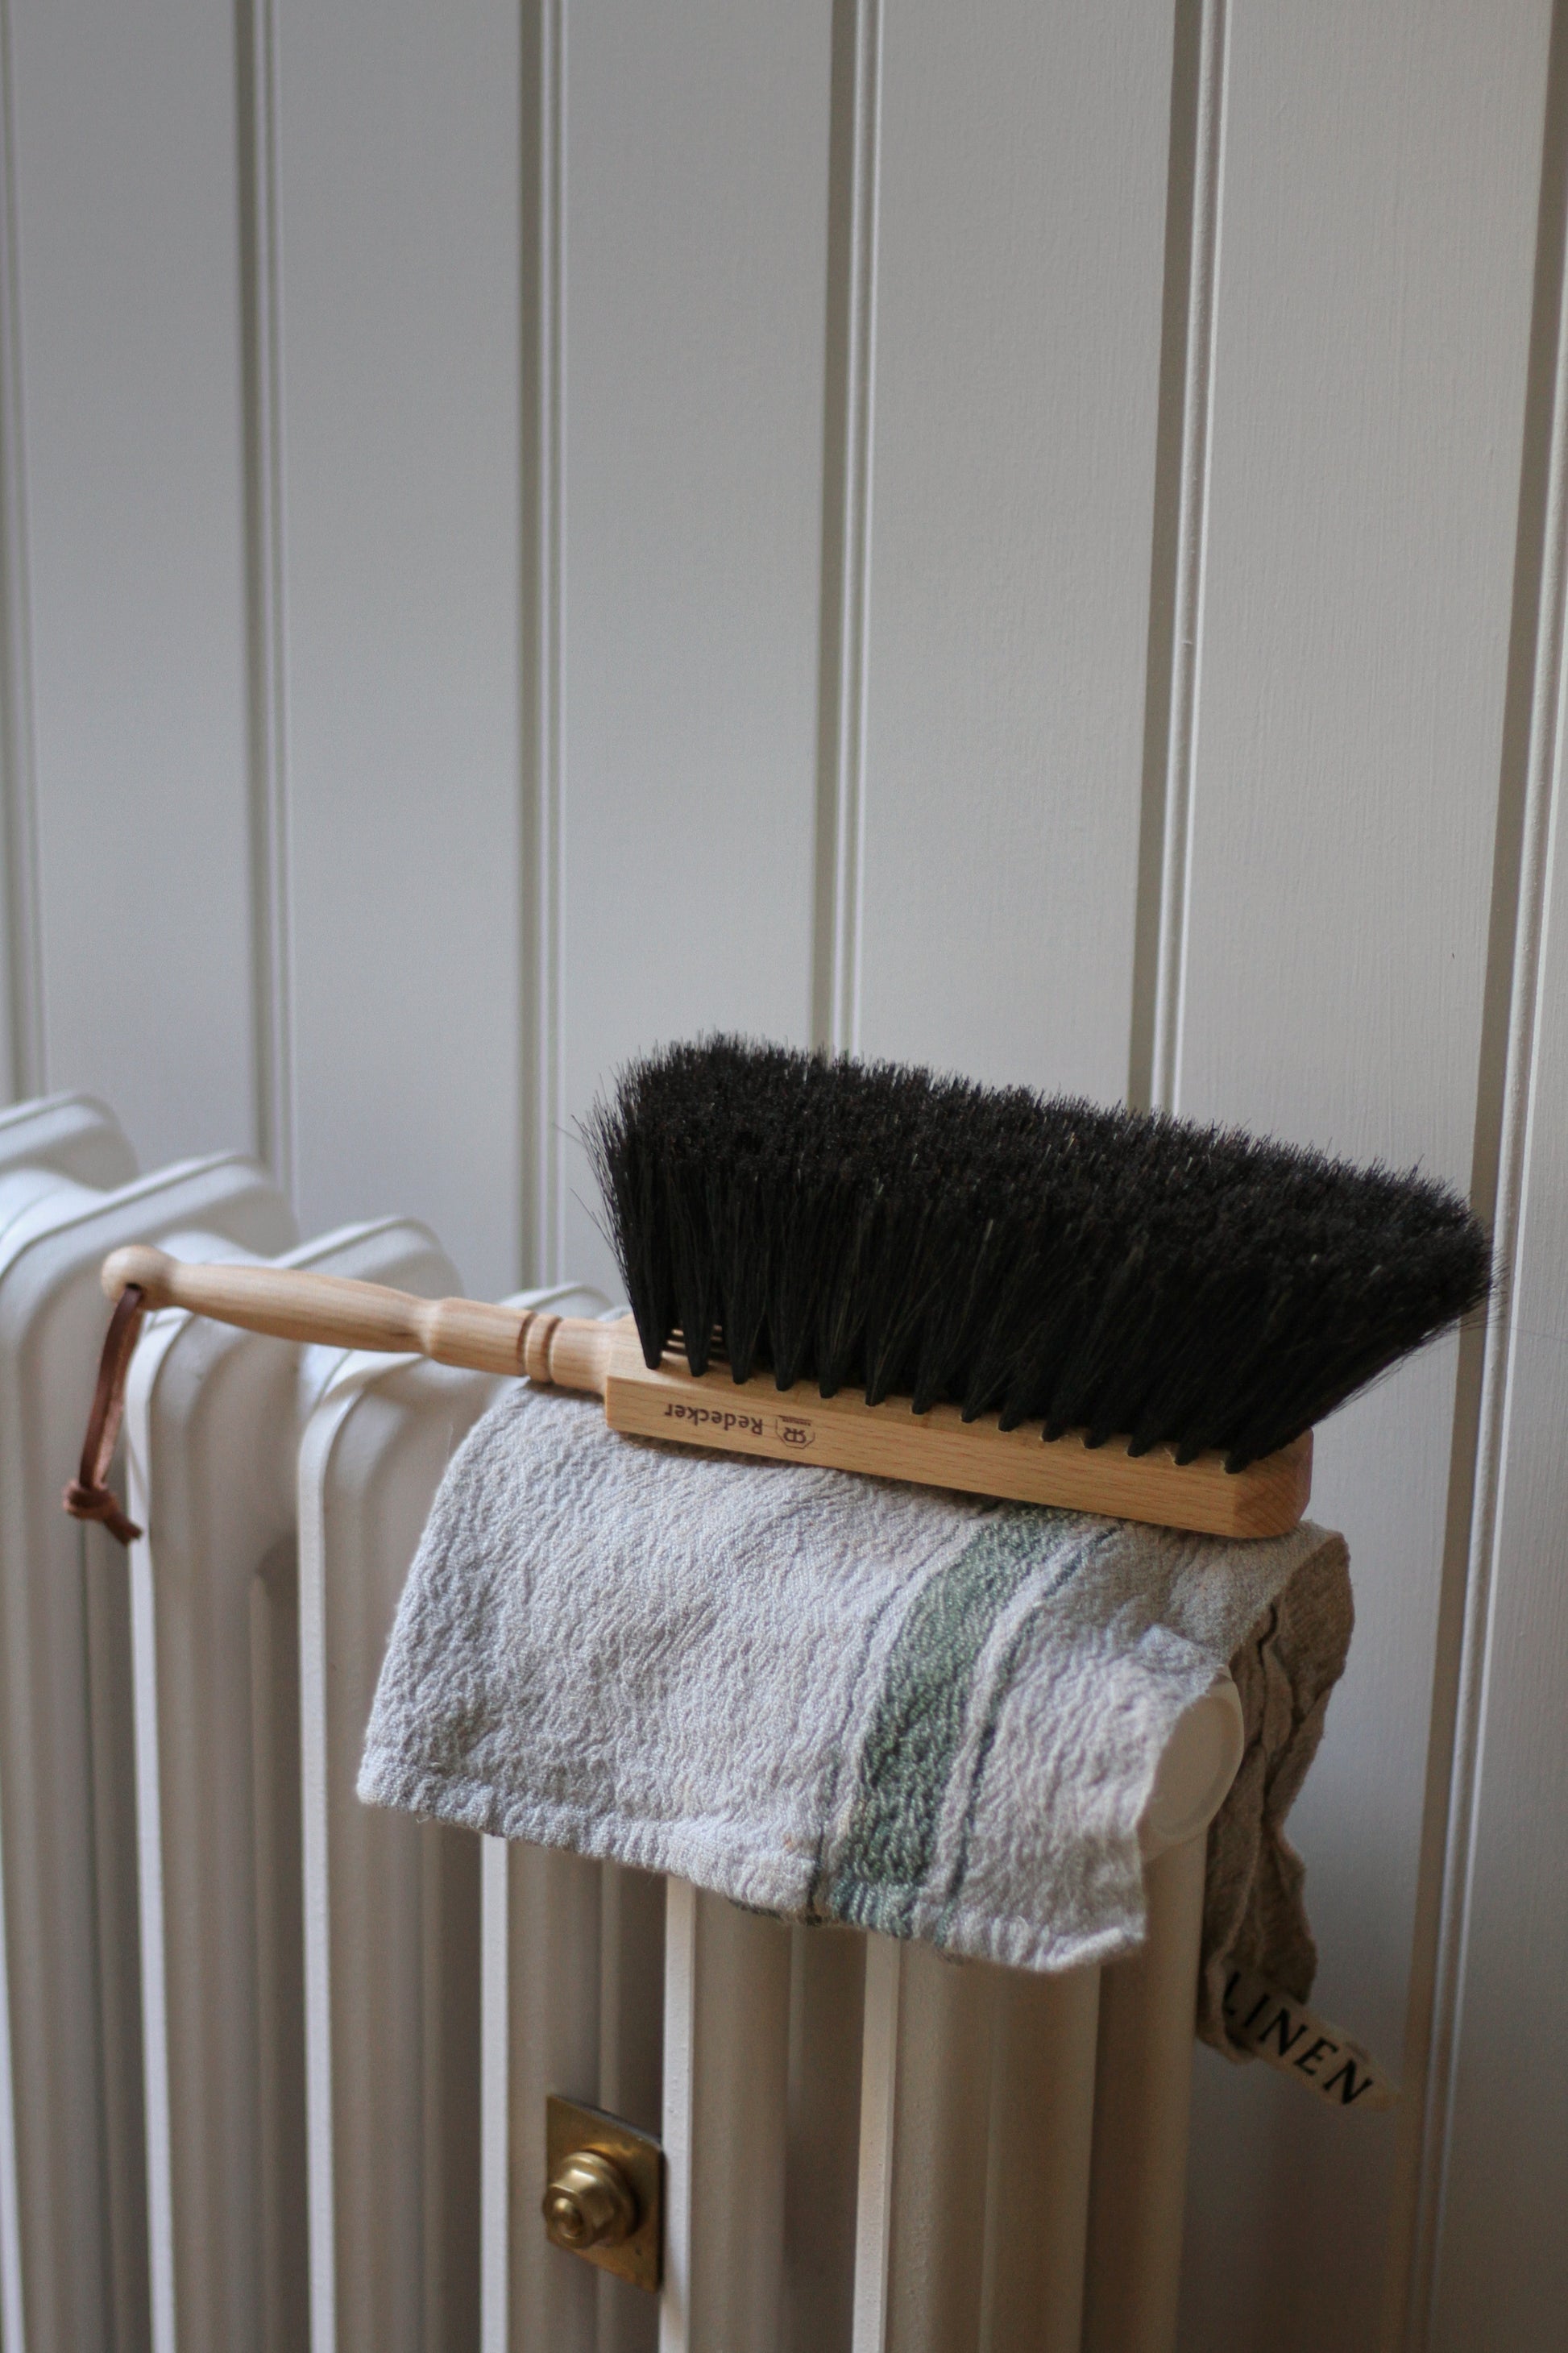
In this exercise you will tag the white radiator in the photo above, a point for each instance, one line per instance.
(275, 2066)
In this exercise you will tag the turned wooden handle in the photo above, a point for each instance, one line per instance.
(753, 1418)
(569, 1351)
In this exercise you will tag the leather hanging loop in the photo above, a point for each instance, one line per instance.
(88, 1496)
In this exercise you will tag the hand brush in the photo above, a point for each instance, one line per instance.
(875, 1269)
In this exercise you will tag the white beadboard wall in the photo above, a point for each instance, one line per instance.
(1029, 537)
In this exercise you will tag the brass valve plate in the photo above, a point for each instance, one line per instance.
(575, 2132)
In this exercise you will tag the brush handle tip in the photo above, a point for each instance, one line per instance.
(138, 1264)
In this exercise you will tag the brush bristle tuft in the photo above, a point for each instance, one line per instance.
(868, 1226)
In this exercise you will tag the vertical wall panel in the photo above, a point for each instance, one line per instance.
(401, 281)
(1020, 252)
(1379, 176)
(1501, 2269)
(696, 194)
(127, 246)
(570, 666)
(1487, 2260)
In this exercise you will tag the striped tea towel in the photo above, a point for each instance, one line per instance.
(843, 1698)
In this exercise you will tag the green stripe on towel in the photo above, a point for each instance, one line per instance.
(907, 1759)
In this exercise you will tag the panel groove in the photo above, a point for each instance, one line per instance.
(256, 58)
(1186, 54)
(543, 1142)
(846, 518)
(24, 1012)
(1529, 788)
(495, 2288)
(1180, 535)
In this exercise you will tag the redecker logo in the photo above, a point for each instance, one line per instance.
(793, 1430)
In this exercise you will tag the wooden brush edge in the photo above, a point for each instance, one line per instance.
(753, 1418)
(940, 1449)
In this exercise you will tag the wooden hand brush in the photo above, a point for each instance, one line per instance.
(877, 1270)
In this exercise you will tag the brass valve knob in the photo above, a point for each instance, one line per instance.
(589, 2202)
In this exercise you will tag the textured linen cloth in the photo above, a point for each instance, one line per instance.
(844, 1698)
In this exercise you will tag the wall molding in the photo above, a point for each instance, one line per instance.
(853, 163)
(21, 967)
(23, 961)
(1179, 547)
(542, 1146)
(256, 69)
(1529, 786)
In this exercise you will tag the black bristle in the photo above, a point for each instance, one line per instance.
(868, 1225)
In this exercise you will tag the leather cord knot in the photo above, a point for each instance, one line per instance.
(88, 1496)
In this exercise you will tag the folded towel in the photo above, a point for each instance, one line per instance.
(842, 1698)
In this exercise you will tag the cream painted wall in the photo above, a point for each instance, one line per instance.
(1027, 536)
